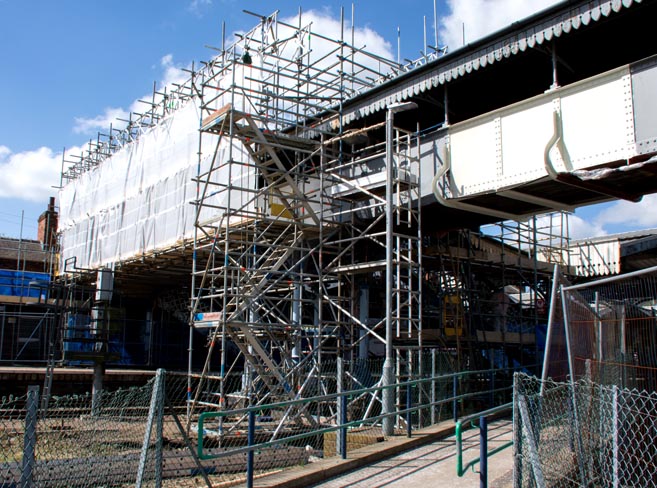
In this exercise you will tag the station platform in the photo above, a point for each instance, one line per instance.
(14, 380)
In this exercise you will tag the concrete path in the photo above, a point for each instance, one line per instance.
(435, 465)
(427, 460)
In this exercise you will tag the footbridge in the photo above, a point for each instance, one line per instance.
(552, 113)
(590, 141)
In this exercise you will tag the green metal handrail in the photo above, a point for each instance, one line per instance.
(203, 417)
(460, 469)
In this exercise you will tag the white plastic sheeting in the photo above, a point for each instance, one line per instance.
(138, 200)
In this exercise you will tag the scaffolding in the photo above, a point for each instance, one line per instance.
(301, 225)
(488, 289)
(26, 268)
(294, 216)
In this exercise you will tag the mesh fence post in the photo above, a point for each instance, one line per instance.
(340, 413)
(566, 325)
(598, 326)
(155, 410)
(623, 347)
(30, 437)
(409, 418)
(433, 387)
(454, 399)
(554, 294)
(343, 430)
(159, 425)
(249, 454)
(517, 437)
(614, 427)
(532, 448)
(483, 452)
(492, 383)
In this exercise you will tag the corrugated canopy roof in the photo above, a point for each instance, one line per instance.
(534, 31)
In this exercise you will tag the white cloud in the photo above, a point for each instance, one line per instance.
(581, 229)
(197, 6)
(482, 17)
(173, 73)
(100, 122)
(29, 175)
(328, 26)
(639, 215)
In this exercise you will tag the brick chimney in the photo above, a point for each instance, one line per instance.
(47, 232)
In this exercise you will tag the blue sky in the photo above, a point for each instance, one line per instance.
(70, 66)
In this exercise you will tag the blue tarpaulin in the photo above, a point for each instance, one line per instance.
(79, 341)
(23, 283)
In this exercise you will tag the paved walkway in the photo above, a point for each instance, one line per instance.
(428, 459)
(435, 465)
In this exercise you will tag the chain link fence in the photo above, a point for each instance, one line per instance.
(151, 436)
(605, 329)
(583, 434)
(76, 441)
(129, 437)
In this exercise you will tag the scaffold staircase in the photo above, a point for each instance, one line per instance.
(283, 218)
(256, 254)
(265, 147)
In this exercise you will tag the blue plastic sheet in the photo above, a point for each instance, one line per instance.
(23, 283)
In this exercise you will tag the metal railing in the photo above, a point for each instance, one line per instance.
(484, 453)
(407, 414)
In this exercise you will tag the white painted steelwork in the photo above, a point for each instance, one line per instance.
(508, 146)
(573, 130)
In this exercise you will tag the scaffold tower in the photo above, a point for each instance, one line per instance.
(296, 218)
